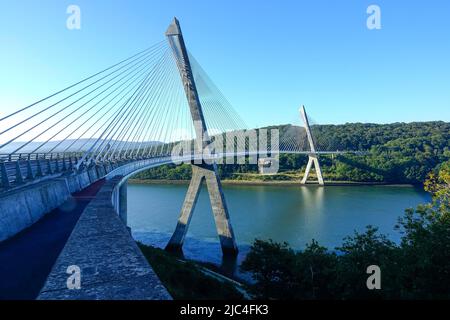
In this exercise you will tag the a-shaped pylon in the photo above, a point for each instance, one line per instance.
(313, 157)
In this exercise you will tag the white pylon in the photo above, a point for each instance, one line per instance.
(312, 156)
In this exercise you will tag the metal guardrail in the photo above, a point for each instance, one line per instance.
(19, 169)
(35, 156)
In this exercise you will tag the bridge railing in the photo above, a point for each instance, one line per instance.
(35, 156)
(19, 169)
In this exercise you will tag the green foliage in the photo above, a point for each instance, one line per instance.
(357, 253)
(282, 273)
(184, 280)
(417, 268)
(166, 172)
(396, 153)
(426, 241)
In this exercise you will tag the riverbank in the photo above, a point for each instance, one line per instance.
(269, 183)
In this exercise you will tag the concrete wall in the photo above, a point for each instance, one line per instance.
(20, 208)
(111, 265)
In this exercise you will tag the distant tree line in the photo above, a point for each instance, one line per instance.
(396, 153)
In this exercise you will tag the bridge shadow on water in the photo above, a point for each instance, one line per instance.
(27, 258)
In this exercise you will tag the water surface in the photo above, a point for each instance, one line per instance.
(292, 214)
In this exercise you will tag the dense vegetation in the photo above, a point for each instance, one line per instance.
(184, 280)
(417, 268)
(396, 153)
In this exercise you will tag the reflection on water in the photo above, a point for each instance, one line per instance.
(289, 213)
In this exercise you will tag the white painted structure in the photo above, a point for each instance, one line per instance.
(313, 157)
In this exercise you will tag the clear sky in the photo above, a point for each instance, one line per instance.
(268, 57)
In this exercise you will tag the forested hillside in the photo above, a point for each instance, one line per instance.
(396, 153)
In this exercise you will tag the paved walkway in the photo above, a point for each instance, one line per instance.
(27, 258)
(111, 264)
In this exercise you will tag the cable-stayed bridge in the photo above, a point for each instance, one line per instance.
(130, 117)
(136, 109)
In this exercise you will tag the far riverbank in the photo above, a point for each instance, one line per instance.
(268, 183)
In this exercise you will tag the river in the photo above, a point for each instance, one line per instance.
(292, 214)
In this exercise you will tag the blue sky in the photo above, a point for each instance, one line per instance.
(267, 57)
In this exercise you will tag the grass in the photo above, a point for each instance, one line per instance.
(184, 280)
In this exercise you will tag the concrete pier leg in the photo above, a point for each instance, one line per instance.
(308, 169)
(318, 171)
(177, 239)
(313, 160)
(312, 157)
(219, 207)
(221, 215)
(123, 202)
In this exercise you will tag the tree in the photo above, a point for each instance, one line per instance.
(425, 244)
(416, 268)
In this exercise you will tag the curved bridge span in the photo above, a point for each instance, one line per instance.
(107, 127)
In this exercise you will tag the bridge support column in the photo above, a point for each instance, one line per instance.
(203, 171)
(123, 202)
(313, 158)
(208, 174)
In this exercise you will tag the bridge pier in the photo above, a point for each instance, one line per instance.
(313, 158)
(201, 172)
(208, 174)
